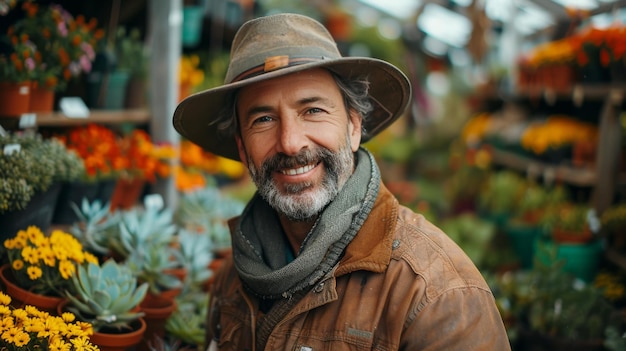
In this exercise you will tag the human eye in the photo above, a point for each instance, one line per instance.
(314, 110)
(261, 119)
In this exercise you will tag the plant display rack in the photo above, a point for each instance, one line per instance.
(604, 178)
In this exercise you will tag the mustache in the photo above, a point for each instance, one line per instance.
(303, 158)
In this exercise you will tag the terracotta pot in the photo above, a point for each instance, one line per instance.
(110, 341)
(14, 99)
(170, 294)
(157, 310)
(127, 193)
(41, 100)
(565, 237)
(21, 297)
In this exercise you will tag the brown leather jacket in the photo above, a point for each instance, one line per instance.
(402, 285)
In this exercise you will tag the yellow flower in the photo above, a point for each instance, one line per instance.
(33, 272)
(29, 254)
(35, 235)
(16, 337)
(5, 299)
(17, 264)
(21, 328)
(44, 263)
(67, 269)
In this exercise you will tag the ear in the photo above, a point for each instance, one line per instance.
(242, 151)
(354, 128)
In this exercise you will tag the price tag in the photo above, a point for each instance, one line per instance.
(28, 120)
(154, 200)
(10, 149)
(73, 107)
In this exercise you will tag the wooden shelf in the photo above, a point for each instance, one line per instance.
(569, 174)
(579, 92)
(57, 119)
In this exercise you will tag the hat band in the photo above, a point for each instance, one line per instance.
(274, 63)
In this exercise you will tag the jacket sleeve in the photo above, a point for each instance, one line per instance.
(463, 318)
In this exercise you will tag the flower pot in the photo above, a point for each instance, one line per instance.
(569, 237)
(38, 212)
(136, 93)
(120, 341)
(41, 100)
(127, 193)
(73, 192)
(14, 99)
(522, 237)
(156, 312)
(193, 17)
(581, 260)
(21, 297)
(107, 90)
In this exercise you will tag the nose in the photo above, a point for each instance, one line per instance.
(292, 136)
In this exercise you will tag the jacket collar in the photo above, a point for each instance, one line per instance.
(371, 247)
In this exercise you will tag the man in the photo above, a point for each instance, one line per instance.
(324, 257)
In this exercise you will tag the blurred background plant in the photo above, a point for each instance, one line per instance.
(64, 43)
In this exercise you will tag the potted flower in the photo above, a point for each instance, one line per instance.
(16, 71)
(40, 267)
(65, 48)
(132, 57)
(107, 297)
(190, 75)
(140, 161)
(572, 229)
(525, 224)
(554, 310)
(499, 194)
(21, 329)
(98, 148)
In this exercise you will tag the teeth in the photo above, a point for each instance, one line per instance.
(300, 170)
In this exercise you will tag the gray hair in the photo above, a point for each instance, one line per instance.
(355, 94)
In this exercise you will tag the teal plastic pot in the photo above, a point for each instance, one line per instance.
(581, 260)
(107, 91)
(522, 238)
(192, 25)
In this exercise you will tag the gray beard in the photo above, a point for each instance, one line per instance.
(294, 203)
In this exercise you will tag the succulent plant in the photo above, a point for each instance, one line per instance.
(150, 264)
(166, 344)
(207, 210)
(106, 295)
(95, 226)
(139, 228)
(188, 321)
(194, 252)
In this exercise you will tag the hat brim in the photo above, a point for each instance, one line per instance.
(390, 92)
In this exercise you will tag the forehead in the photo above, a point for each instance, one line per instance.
(317, 80)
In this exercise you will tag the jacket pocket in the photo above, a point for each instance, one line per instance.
(230, 334)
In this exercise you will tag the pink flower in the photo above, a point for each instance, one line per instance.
(88, 50)
(85, 63)
(62, 29)
(30, 64)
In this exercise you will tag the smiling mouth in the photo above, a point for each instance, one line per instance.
(299, 170)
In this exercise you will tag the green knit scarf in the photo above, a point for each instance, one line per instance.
(259, 243)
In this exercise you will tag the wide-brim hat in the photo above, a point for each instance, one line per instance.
(277, 45)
